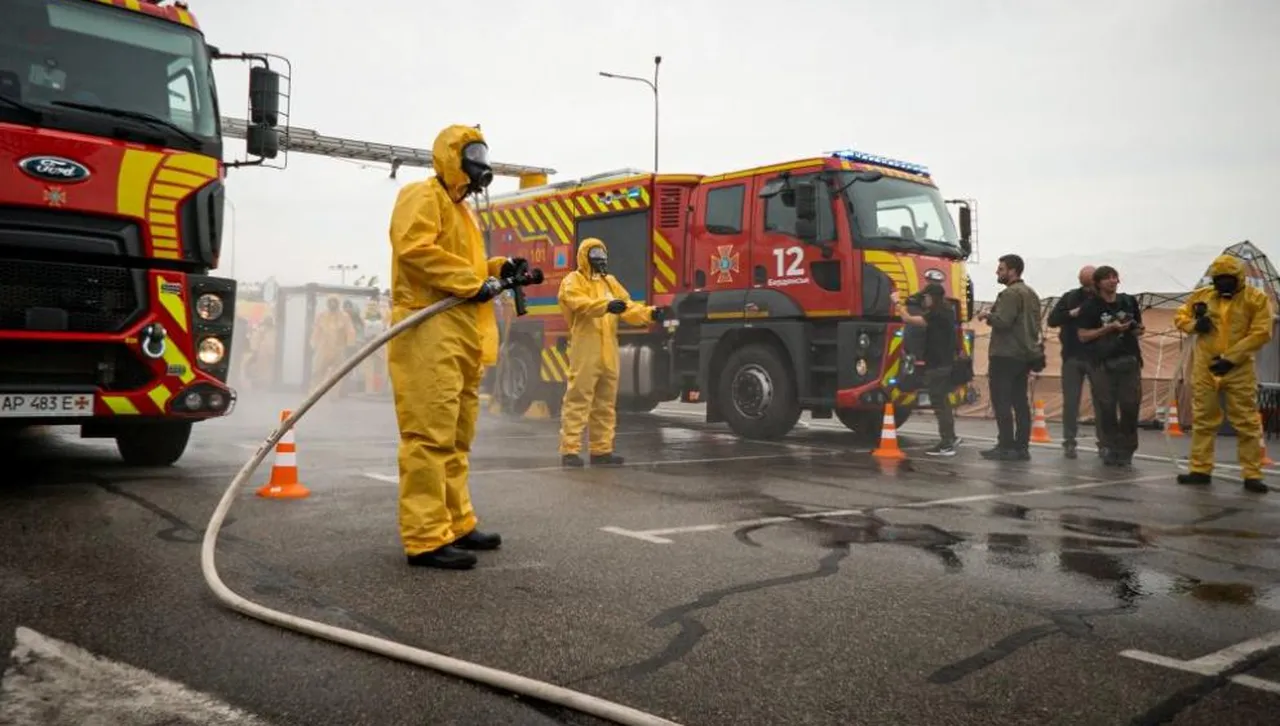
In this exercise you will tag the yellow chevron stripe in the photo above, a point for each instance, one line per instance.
(566, 217)
(553, 221)
(661, 243)
(524, 220)
(180, 178)
(585, 204)
(120, 405)
(659, 288)
(160, 395)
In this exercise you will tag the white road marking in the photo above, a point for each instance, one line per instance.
(394, 479)
(1220, 661)
(659, 536)
(53, 683)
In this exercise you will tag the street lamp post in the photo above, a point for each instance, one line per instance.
(344, 269)
(657, 60)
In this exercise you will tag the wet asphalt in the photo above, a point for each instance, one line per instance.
(713, 581)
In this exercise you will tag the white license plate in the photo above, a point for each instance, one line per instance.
(922, 399)
(27, 405)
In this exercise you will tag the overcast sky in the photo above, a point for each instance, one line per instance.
(1080, 127)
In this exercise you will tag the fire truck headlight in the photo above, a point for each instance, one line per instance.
(860, 367)
(209, 306)
(864, 340)
(211, 351)
(192, 401)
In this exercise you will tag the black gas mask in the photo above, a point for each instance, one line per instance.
(1226, 285)
(475, 164)
(599, 260)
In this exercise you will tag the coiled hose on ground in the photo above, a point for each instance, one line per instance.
(543, 691)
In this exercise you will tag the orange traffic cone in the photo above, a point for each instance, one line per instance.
(1039, 429)
(1172, 426)
(284, 482)
(1262, 440)
(888, 448)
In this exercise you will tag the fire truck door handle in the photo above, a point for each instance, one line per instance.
(761, 274)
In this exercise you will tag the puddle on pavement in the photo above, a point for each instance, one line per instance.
(1102, 564)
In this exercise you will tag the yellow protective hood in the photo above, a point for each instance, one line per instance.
(446, 157)
(588, 244)
(1228, 265)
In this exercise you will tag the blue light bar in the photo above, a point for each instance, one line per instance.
(864, 158)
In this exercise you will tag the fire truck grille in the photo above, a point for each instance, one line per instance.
(60, 297)
(36, 364)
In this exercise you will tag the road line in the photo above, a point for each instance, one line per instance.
(660, 536)
(49, 681)
(393, 479)
(1255, 682)
(1220, 661)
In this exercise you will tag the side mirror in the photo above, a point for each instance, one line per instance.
(966, 226)
(264, 97)
(262, 140)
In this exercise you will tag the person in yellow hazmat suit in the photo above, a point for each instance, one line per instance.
(592, 301)
(331, 334)
(435, 368)
(1231, 321)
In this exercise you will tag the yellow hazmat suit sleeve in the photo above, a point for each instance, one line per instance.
(415, 229)
(590, 399)
(435, 367)
(1241, 326)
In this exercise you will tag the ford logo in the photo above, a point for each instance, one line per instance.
(54, 168)
(934, 275)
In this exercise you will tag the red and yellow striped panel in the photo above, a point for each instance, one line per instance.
(555, 365)
(152, 184)
(664, 264)
(172, 13)
(552, 218)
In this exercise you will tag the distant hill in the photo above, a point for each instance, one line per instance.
(1152, 270)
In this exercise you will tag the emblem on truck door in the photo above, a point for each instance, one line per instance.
(934, 275)
(54, 168)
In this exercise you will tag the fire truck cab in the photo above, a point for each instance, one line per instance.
(111, 220)
(778, 279)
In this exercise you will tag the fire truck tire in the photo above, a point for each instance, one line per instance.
(867, 424)
(155, 444)
(516, 382)
(757, 393)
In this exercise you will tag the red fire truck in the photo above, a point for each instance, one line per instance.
(111, 218)
(779, 278)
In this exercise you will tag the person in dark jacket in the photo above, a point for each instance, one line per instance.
(942, 340)
(1111, 326)
(1075, 364)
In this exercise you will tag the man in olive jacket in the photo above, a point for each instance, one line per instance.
(1016, 350)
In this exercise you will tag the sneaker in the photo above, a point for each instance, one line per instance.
(1069, 449)
(1256, 486)
(942, 449)
(571, 461)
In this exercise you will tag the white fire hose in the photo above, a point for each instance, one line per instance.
(540, 690)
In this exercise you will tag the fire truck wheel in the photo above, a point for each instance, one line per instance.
(154, 444)
(757, 394)
(867, 424)
(516, 383)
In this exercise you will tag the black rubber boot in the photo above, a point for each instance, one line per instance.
(1256, 486)
(1195, 477)
(475, 540)
(444, 558)
(571, 460)
(610, 459)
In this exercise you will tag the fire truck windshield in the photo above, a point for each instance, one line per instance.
(895, 214)
(93, 68)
